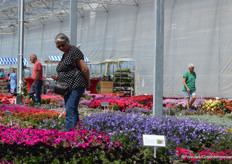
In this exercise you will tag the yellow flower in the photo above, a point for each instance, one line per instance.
(229, 130)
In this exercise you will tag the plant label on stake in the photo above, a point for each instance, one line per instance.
(8, 113)
(104, 104)
(61, 113)
(45, 120)
(154, 140)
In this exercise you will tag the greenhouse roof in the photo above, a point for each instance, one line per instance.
(41, 12)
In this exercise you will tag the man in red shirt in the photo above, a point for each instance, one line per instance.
(37, 76)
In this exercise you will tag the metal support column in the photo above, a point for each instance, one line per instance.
(158, 59)
(73, 22)
(20, 53)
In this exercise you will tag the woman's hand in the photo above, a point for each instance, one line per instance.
(85, 70)
(184, 82)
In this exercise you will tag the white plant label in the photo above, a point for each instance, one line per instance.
(9, 113)
(104, 104)
(154, 140)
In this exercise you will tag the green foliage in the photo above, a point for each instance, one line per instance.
(122, 75)
(24, 90)
(214, 119)
(124, 70)
(43, 153)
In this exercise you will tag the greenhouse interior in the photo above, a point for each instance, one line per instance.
(115, 81)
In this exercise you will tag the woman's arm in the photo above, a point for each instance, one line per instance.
(85, 70)
(184, 82)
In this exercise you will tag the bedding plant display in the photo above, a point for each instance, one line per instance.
(37, 135)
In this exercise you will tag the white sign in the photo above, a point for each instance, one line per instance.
(45, 120)
(104, 104)
(9, 113)
(154, 140)
(61, 113)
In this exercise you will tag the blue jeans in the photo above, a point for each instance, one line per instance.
(71, 105)
(37, 91)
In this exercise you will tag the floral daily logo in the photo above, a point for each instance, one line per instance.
(160, 141)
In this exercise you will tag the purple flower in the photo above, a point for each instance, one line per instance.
(132, 126)
(138, 110)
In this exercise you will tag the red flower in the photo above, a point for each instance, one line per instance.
(193, 159)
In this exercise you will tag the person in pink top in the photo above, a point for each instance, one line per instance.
(37, 76)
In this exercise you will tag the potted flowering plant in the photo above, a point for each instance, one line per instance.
(54, 78)
(25, 95)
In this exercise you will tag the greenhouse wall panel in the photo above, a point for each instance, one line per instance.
(197, 32)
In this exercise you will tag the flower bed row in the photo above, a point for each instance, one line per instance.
(76, 138)
(146, 100)
(52, 99)
(142, 101)
(206, 156)
(218, 106)
(117, 103)
(29, 113)
(128, 130)
(181, 102)
(40, 145)
(33, 145)
(7, 99)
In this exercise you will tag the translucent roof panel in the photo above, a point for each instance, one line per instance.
(48, 11)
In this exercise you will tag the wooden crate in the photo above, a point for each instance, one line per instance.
(106, 87)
